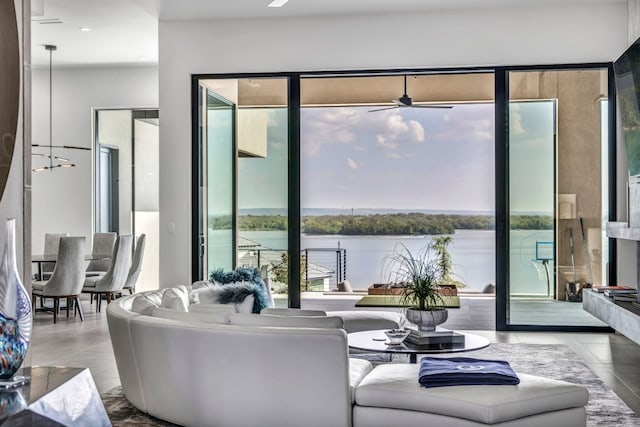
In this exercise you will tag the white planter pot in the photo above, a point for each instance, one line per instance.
(427, 320)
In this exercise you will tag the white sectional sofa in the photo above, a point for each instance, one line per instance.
(212, 367)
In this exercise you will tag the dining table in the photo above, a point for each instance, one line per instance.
(41, 259)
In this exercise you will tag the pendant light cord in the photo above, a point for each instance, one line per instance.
(50, 109)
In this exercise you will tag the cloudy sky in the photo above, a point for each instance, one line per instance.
(407, 158)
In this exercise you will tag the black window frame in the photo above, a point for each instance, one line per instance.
(501, 99)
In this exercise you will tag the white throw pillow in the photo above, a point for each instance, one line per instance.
(142, 305)
(211, 294)
(176, 299)
(155, 296)
(146, 302)
(219, 317)
(207, 295)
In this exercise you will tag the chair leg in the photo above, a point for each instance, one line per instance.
(109, 297)
(56, 306)
(77, 304)
(130, 291)
(68, 304)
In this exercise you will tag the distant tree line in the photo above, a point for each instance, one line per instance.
(383, 224)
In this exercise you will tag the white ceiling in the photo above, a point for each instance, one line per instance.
(126, 31)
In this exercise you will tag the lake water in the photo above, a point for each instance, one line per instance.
(472, 252)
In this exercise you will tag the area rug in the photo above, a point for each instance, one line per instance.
(605, 408)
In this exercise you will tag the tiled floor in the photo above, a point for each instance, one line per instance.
(73, 343)
(614, 358)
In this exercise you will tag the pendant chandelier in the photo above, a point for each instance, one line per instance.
(60, 162)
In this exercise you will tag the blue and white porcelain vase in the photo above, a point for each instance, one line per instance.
(15, 309)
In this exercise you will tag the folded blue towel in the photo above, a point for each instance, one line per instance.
(441, 372)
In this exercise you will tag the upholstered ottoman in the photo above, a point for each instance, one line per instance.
(390, 395)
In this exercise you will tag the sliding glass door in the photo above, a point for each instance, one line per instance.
(556, 189)
(313, 177)
(242, 172)
(216, 219)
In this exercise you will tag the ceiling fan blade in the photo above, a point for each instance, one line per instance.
(432, 106)
(386, 108)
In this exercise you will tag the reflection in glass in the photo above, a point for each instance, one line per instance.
(531, 198)
(263, 144)
(220, 160)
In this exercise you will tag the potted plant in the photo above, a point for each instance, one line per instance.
(419, 276)
(448, 285)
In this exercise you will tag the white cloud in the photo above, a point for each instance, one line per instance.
(353, 165)
(515, 120)
(360, 148)
(393, 155)
(385, 142)
(391, 129)
(469, 124)
(416, 131)
(327, 126)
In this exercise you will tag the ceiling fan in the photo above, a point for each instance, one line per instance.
(406, 101)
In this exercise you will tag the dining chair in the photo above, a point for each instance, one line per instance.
(102, 247)
(114, 279)
(66, 279)
(136, 265)
(51, 243)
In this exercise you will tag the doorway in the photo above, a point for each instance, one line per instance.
(126, 190)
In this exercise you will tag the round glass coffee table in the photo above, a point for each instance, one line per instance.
(377, 342)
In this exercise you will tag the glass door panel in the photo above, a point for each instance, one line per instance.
(244, 151)
(263, 185)
(557, 168)
(219, 172)
(375, 176)
(531, 199)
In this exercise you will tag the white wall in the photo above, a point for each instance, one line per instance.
(62, 198)
(587, 31)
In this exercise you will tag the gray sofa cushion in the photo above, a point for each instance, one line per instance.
(292, 312)
(365, 320)
(212, 308)
(285, 321)
(220, 316)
